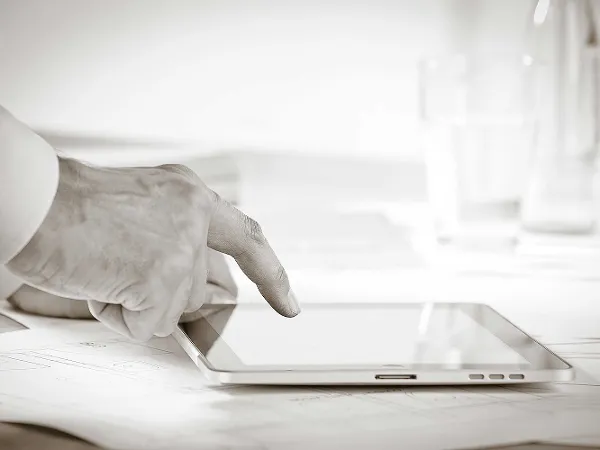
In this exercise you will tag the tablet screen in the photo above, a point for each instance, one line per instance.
(451, 336)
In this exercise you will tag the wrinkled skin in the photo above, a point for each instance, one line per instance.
(135, 244)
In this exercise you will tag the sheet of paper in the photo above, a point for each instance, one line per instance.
(97, 385)
(92, 383)
(7, 324)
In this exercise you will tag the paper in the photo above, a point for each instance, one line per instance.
(97, 385)
(101, 387)
(8, 324)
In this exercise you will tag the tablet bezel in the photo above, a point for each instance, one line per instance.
(539, 357)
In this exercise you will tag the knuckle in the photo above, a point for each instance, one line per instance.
(253, 231)
(186, 184)
(142, 329)
(166, 330)
(281, 274)
(213, 197)
(182, 170)
(203, 198)
(141, 335)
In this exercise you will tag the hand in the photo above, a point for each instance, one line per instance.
(220, 287)
(134, 242)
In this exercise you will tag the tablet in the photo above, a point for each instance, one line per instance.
(405, 343)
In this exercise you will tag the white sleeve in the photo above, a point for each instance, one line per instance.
(28, 182)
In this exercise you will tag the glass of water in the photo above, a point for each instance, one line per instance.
(478, 121)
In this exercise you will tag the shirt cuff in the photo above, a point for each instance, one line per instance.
(29, 174)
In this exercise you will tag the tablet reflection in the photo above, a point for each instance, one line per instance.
(420, 336)
(204, 334)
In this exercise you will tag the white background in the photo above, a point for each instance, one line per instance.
(310, 76)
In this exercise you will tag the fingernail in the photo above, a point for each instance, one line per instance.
(293, 302)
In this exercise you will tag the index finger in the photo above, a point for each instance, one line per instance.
(235, 234)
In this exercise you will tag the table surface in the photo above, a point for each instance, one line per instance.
(563, 313)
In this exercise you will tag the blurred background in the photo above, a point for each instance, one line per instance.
(384, 146)
(335, 77)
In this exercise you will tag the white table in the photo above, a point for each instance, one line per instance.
(562, 313)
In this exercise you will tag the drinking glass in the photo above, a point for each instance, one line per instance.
(478, 118)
